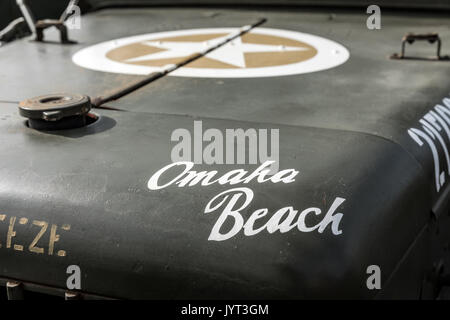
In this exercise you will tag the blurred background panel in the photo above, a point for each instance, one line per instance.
(42, 9)
(406, 4)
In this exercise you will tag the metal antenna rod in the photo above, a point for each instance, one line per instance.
(96, 102)
(26, 12)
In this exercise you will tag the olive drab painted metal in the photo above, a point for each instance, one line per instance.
(364, 136)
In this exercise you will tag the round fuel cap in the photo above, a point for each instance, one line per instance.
(54, 107)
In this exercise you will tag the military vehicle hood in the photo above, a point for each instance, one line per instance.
(353, 177)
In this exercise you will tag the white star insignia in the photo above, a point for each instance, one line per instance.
(231, 53)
